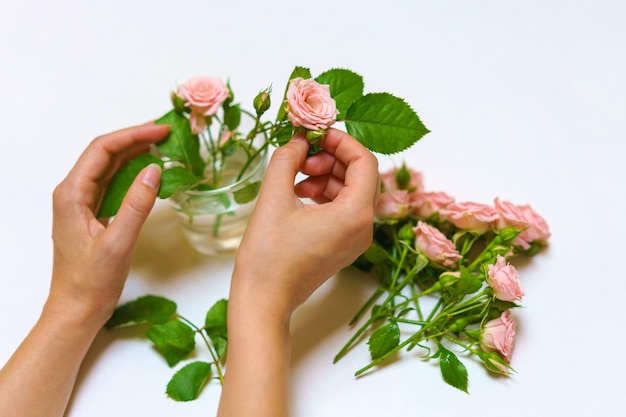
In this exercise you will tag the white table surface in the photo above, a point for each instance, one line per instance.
(525, 100)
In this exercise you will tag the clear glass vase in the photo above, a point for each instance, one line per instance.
(213, 221)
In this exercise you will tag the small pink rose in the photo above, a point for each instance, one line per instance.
(509, 215)
(310, 104)
(435, 246)
(393, 205)
(425, 204)
(474, 217)
(499, 335)
(389, 182)
(203, 95)
(505, 281)
(537, 231)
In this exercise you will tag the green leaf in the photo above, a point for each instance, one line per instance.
(215, 326)
(453, 371)
(176, 180)
(232, 116)
(187, 383)
(301, 72)
(384, 123)
(121, 181)
(247, 193)
(384, 340)
(174, 339)
(376, 253)
(345, 87)
(146, 309)
(181, 144)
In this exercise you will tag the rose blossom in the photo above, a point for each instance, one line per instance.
(388, 179)
(425, 204)
(499, 335)
(504, 280)
(473, 217)
(393, 205)
(204, 95)
(509, 215)
(537, 231)
(435, 246)
(310, 104)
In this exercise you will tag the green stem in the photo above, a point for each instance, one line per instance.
(216, 360)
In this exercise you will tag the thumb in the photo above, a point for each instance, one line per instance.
(135, 207)
(285, 164)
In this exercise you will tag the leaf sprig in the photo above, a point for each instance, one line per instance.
(174, 336)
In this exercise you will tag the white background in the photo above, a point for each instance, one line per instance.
(525, 100)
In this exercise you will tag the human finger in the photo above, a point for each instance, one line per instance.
(284, 166)
(135, 208)
(323, 163)
(321, 188)
(361, 175)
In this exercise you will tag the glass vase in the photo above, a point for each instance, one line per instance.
(213, 221)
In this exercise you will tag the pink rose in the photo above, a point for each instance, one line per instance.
(504, 280)
(435, 246)
(509, 215)
(537, 231)
(310, 104)
(499, 335)
(393, 205)
(204, 95)
(389, 181)
(474, 217)
(426, 204)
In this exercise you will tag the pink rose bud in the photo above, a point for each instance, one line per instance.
(310, 105)
(537, 231)
(473, 217)
(393, 205)
(262, 102)
(499, 335)
(435, 245)
(425, 204)
(402, 178)
(504, 279)
(509, 215)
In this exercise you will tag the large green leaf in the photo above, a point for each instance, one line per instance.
(146, 309)
(345, 87)
(384, 123)
(187, 383)
(247, 193)
(452, 369)
(383, 340)
(121, 182)
(301, 72)
(176, 180)
(174, 339)
(215, 326)
(181, 144)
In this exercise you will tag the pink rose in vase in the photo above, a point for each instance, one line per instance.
(474, 217)
(203, 95)
(435, 245)
(499, 335)
(310, 104)
(504, 279)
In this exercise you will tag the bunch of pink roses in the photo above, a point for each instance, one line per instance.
(430, 251)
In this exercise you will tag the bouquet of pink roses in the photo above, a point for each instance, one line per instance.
(444, 276)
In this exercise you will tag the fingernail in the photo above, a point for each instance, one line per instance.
(151, 175)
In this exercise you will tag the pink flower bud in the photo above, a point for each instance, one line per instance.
(499, 335)
(474, 217)
(435, 246)
(504, 279)
(310, 104)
